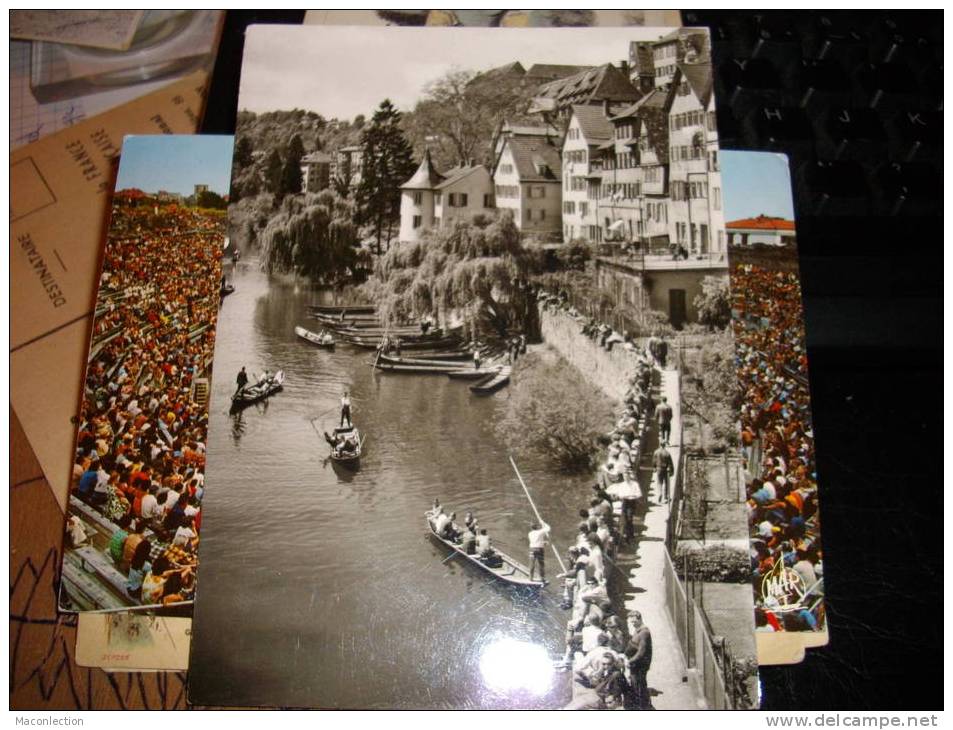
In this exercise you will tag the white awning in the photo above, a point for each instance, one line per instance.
(618, 226)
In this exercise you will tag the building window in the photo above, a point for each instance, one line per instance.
(506, 169)
(418, 197)
(437, 198)
(436, 222)
(417, 221)
(716, 198)
(487, 200)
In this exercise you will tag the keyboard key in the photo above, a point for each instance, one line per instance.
(915, 133)
(823, 82)
(890, 81)
(748, 80)
(782, 127)
(853, 132)
(911, 188)
(834, 187)
(835, 37)
(776, 38)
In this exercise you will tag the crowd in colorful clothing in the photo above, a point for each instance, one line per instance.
(140, 456)
(778, 443)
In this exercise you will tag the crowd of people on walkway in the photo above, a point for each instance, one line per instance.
(609, 653)
(140, 456)
(778, 442)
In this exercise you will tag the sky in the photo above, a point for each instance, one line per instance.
(340, 72)
(175, 163)
(754, 183)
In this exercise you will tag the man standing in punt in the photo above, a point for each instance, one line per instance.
(538, 536)
(346, 410)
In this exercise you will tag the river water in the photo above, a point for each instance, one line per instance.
(319, 586)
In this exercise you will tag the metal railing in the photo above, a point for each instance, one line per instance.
(710, 657)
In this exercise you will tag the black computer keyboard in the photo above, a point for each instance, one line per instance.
(855, 99)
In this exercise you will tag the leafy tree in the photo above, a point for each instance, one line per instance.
(290, 183)
(551, 410)
(714, 303)
(387, 162)
(243, 150)
(471, 271)
(313, 235)
(210, 199)
(273, 169)
(574, 255)
(460, 112)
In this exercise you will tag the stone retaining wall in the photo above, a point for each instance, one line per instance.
(609, 371)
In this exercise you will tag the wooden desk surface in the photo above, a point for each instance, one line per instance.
(43, 675)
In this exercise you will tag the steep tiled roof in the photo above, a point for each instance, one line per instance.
(594, 84)
(458, 173)
(543, 72)
(514, 67)
(593, 122)
(426, 177)
(655, 100)
(763, 222)
(699, 78)
(531, 152)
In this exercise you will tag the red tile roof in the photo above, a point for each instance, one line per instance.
(763, 223)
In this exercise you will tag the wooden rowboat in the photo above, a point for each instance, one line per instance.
(475, 373)
(254, 393)
(511, 571)
(374, 342)
(432, 369)
(346, 309)
(427, 361)
(444, 355)
(315, 339)
(348, 458)
(493, 382)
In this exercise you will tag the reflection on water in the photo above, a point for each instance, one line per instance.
(319, 584)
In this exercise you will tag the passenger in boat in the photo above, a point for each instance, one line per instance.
(483, 546)
(469, 521)
(451, 530)
(346, 409)
(397, 346)
(468, 540)
(435, 510)
(441, 522)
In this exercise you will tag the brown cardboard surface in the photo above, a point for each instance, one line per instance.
(60, 193)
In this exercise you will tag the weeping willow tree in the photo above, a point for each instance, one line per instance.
(472, 271)
(313, 235)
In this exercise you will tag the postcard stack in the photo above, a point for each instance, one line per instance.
(477, 380)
